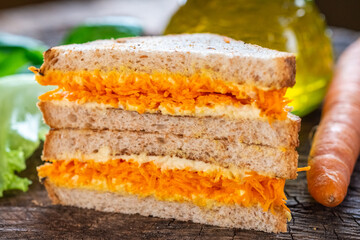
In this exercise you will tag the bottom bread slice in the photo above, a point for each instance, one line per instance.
(232, 216)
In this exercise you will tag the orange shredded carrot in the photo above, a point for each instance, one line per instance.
(148, 180)
(304, 169)
(226, 39)
(150, 91)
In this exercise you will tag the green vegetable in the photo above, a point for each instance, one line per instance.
(17, 53)
(104, 28)
(21, 127)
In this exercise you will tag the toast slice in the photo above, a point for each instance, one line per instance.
(248, 130)
(187, 54)
(225, 216)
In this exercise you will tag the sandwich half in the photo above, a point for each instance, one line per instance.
(192, 127)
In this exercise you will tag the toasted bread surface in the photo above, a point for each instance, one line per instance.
(233, 216)
(248, 129)
(186, 54)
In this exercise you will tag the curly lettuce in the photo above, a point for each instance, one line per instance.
(21, 128)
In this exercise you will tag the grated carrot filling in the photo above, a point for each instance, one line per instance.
(150, 91)
(304, 169)
(148, 180)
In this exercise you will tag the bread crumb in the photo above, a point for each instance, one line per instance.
(226, 39)
(36, 203)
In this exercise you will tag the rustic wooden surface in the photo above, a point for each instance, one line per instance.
(30, 215)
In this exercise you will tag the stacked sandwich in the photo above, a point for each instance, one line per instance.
(192, 127)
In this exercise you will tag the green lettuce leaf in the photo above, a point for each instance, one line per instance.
(17, 53)
(21, 127)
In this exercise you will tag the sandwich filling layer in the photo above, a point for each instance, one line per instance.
(203, 188)
(161, 91)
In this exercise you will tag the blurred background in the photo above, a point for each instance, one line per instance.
(41, 18)
(344, 13)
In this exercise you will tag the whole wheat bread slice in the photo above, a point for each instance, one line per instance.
(221, 57)
(233, 216)
(103, 145)
(64, 114)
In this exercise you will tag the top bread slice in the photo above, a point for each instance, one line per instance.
(220, 57)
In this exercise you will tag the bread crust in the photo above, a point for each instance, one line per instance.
(106, 144)
(60, 115)
(184, 54)
(225, 216)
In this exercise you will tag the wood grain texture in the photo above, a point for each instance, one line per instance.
(31, 216)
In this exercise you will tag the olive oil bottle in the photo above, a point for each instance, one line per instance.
(286, 25)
